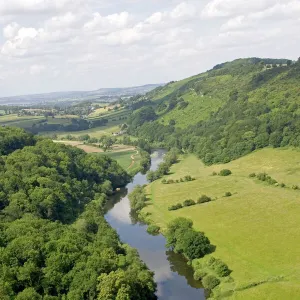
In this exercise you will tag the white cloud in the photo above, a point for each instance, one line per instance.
(122, 37)
(108, 23)
(11, 30)
(20, 41)
(36, 6)
(184, 10)
(155, 18)
(36, 69)
(279, 11)
(226, 8)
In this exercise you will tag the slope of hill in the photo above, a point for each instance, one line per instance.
(227, 112)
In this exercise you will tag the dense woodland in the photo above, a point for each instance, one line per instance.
(254, 103)
(54, 240)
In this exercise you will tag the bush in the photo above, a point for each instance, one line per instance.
(282, 185)
(214, 173)
(153, 229)
(203, 199)
(220, 268)
(199, 274)
(252, 175)
(175, 207)
(211, 261)
(295, 187)
(210, 282)
(188, 178)
(225, 172)
(189, 202)
(228, 194)
(262, 176)
(164, 181)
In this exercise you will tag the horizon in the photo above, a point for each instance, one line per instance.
(81, 45)
(136, 86)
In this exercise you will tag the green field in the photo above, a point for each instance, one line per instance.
(256, 231)
(23, 121)
(124, 160)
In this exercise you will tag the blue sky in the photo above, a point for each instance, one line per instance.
(58, 45)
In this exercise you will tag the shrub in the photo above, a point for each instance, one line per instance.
(214, 173)
(211, 261)
(203, 199)
(170, 181)
(252, 175)
(153, 229)
(188, 178)
(282, 185)
(228, 194)
(199, 274)
(175, 207)
(181, 180)
(189, 202)
(177, 181)
(225, 172)
(164, 181)
(295, 187)
(220, 268)
(262, 176)
(210, 282)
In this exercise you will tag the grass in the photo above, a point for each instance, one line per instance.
(199, 109)
(124, 158)
(14, 118)
(256, 231)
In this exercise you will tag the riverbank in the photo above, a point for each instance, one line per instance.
(256, 230)
(173, 276)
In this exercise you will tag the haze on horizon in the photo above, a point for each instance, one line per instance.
(60, 45)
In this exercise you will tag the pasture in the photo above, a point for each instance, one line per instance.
(256, 231)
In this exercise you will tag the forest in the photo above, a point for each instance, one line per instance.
(54, 240)
(239, 107)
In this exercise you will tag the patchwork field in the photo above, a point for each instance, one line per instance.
(256, 231)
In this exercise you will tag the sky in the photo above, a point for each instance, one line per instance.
(66, 45)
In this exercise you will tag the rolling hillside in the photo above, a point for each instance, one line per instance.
(226, 112)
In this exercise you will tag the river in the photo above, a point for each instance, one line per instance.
(173, 276)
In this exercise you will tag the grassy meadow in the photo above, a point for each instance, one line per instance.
(256, 231)
(124, 158)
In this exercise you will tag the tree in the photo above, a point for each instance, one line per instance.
(107, 143)
(172, 123)
(137, 198)
(27, 294)
(176, 224)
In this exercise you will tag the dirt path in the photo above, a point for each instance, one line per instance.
(133, 159)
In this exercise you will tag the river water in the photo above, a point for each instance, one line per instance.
(173, 276)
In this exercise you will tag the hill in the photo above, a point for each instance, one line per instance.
(255, 231)
(226, 112)
(77, 95)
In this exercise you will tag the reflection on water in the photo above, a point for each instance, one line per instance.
(173, 276)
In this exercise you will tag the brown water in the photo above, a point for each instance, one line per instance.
(173, 276)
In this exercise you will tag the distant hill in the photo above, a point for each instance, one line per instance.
(108, 93)
(226, 112)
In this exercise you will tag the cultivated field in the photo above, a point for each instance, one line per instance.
(256, 231)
